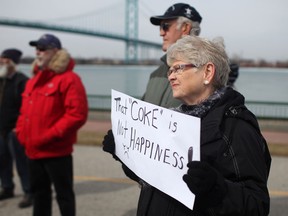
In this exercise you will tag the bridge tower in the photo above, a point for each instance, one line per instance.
(131, 31)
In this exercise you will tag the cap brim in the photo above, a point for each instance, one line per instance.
(33, 43)
(156, 20)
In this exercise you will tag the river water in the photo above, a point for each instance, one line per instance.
(256, 84)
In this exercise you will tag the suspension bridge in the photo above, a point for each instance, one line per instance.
(116, 22)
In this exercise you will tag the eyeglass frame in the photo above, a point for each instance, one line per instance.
(180, 68)
(43, 48)
(165, 26)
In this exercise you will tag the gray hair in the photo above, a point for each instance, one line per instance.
(195, 26)
(199, 51)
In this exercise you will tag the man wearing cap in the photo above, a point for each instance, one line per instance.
(54, 107)
(12, 84)
(178, 20)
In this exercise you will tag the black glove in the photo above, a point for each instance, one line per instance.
(109, 144)
(206, 183)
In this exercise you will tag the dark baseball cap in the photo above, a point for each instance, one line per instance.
(176, 11)
(48, 41)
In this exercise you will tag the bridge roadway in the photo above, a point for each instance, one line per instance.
(103, 190)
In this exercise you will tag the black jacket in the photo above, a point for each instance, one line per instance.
(232, 143)
(11, 89)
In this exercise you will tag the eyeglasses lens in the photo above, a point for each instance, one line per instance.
(179, 68)
(164, 26)
(41, 48)
(174, 69)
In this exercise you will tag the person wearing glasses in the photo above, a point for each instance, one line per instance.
(231, 178)
(54, 107)
(12, 84)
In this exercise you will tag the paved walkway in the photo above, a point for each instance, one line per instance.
(276, 137)
(103, 190)
(98, 126)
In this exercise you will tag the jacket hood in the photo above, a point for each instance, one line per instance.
(59, 63)
(235, 107)
(230, 105)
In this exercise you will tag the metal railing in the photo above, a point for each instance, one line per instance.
(262, 109)
(268, 110)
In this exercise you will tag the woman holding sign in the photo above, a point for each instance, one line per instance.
(231, 177)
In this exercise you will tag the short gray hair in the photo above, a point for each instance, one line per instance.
(196, 29)
(199, 51)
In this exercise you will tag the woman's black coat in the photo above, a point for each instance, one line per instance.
(232, 143)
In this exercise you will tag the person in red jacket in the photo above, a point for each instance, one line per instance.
(54, 106)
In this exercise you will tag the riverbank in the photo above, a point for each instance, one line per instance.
(274, 131)
(156, 61)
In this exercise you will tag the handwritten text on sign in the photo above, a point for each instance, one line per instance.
(156, 143)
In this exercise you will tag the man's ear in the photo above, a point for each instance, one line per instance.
(186, 28)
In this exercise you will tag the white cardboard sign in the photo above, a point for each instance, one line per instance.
(156, 143)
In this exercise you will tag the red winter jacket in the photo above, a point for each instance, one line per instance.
(54, 107)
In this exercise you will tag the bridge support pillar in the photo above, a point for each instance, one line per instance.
(131, 31)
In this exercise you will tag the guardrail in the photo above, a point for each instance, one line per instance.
(99, 102)
(268, 110)
(262, 109)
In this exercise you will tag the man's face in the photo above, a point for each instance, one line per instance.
(44, 56)
(170, 33)
(6, 67)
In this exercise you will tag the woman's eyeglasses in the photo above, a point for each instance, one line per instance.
(165, 26)
(179, 68)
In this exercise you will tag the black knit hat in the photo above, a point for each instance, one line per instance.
(176, 11)
(13, 54)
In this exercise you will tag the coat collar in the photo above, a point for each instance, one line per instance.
(59, 63)
(212, 123)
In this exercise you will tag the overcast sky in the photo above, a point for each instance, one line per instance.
(254, 29)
